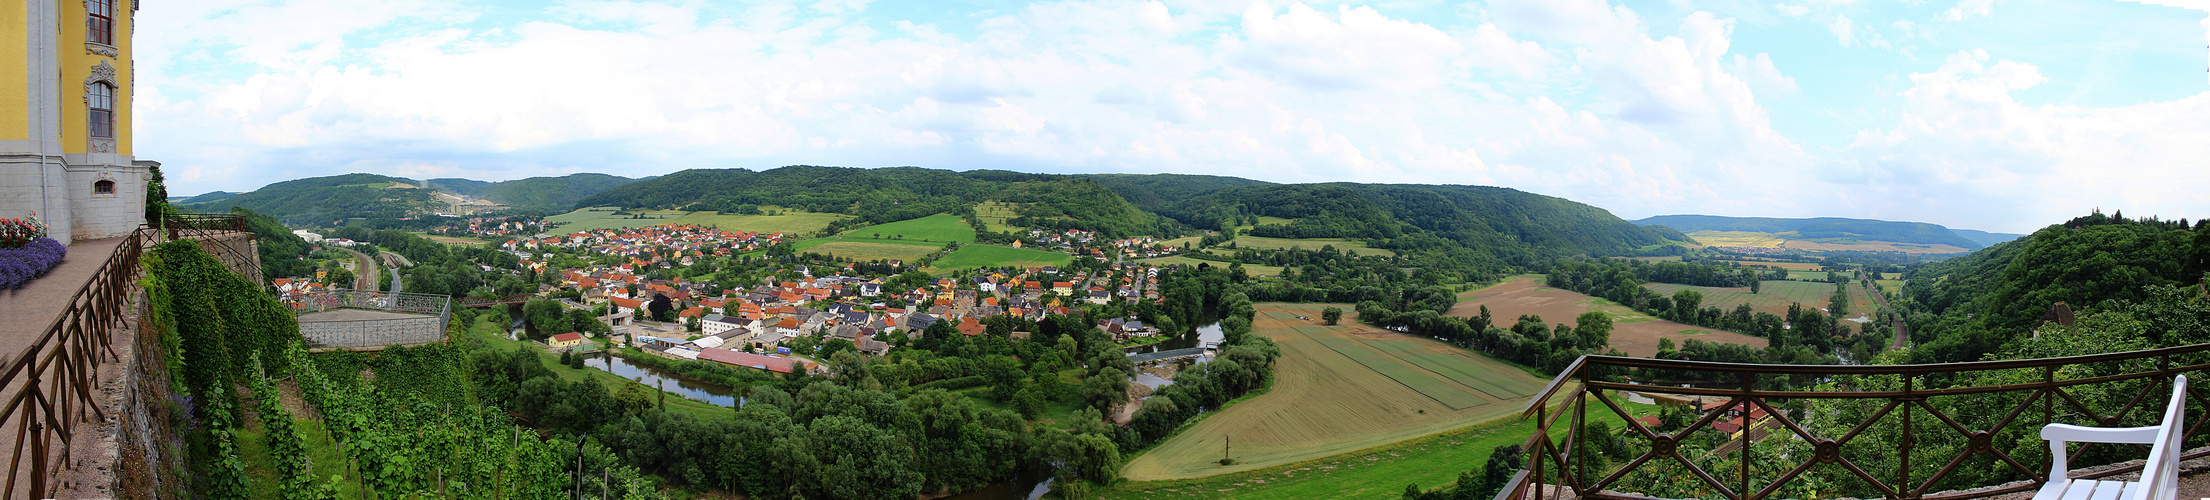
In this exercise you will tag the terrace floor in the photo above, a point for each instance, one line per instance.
(29, 310)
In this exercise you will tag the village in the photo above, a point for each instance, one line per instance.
(618, 275)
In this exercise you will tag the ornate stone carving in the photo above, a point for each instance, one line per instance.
(103, 145)
(101, 49)
(102, 72)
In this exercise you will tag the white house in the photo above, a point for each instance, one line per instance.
(715, 324)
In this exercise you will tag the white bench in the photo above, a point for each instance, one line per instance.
(2159, 474)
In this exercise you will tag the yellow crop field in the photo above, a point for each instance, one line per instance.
(1389, 387)
(1737, 239)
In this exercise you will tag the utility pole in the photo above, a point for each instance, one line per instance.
(1225, 442)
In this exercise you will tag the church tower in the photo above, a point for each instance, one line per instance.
(65, 135)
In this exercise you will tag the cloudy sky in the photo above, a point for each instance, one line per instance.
(1984, 114)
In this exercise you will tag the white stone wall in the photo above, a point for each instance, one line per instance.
(33, 185)
(99, 216)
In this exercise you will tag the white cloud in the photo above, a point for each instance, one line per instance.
(1966, 148)
(1762, 76)
(1843, 30)
(1574, 98)
(1967, 9)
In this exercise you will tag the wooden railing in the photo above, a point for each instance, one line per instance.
(1935, 426)
(49, 385)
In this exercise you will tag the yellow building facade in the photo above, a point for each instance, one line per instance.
(65, 110)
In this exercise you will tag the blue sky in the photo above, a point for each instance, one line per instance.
(1982, 114)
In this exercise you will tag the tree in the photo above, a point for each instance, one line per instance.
(1685, 303)
(545, 318)
(341, 278)
(1754, 285)
(1594, 328)
(661, 308)
(582, 321)
(1331, 314)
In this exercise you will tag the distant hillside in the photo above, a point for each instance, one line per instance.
(1986, 238)
(543, 194)
(874, 196)
(1824, 228)
(1514, 225)
(211, 196)
(324, 200)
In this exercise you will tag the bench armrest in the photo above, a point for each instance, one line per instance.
(2078, 434)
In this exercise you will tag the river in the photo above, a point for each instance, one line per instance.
(653, 377)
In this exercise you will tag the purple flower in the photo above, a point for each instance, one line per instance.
(21, 265)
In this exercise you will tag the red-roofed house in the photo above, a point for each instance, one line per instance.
(565, 340)
(969, 326)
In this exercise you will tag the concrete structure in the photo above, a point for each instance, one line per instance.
(65, 108)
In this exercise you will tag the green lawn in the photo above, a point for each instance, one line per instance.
(790, 221)
(998, 256)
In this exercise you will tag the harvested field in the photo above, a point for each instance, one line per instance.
(1338, 389)
(1635, 333)
(1774, 296)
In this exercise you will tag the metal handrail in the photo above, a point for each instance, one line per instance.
(1555, 466)
(50, 384)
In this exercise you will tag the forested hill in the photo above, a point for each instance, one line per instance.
(1824, 227)
(323, 200)
(1967, 307)
(542, 194)
(891, 194)
(1156, 192)
(1505, 222)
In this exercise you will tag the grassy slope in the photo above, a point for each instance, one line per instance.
(1356, 247)
(1322, 403)
(1379, 472)
(993, 256)
(1255, 270)
(938, 229)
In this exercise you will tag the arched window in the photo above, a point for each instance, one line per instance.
(103, 187)
(100, 98)
(99, 23)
